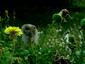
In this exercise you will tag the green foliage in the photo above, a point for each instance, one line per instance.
(51, 47)
(5, 58)
(82, 22)
(78, 3)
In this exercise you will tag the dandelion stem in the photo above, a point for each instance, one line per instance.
(13, 51)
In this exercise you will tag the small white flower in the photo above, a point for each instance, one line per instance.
(39, 53)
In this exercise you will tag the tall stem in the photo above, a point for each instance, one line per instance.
(14, 40)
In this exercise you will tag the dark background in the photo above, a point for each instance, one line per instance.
(33, 6)
(37, 12)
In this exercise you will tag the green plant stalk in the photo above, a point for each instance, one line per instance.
(14, 40)
(82, 47)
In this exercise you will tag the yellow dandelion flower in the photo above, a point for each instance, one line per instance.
(13, 31)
